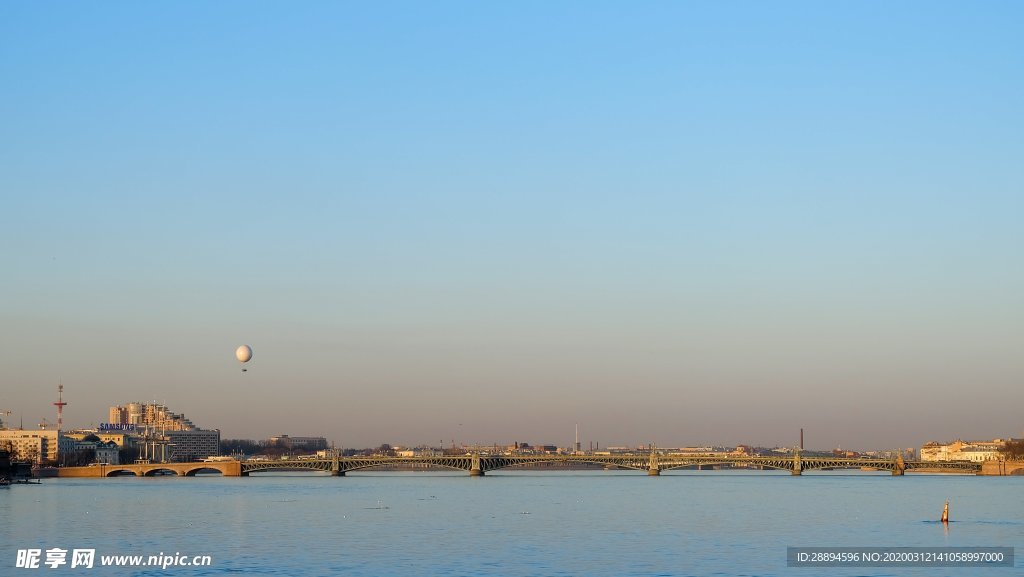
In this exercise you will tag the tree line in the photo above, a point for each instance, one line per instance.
(1013, 449)
(251, 447)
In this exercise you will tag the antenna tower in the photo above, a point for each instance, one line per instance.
(60, 406)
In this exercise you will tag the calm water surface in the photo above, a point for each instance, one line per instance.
(517, 523)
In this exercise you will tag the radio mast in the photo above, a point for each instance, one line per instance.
(60, 407)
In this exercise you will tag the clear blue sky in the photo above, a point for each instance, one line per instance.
(676, 222)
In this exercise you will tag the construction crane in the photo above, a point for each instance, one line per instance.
(44, 424)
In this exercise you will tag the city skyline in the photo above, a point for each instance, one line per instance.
(677, 224)
(182, 421)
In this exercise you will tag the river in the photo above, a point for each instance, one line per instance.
(508, 523)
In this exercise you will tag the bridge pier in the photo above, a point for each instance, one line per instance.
(475, 469)
(653, 472)
(899, 467)
(798, 467)
(653, 467)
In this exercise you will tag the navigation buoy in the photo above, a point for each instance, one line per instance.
(945, 512)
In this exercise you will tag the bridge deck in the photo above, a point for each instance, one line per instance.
(652, 463)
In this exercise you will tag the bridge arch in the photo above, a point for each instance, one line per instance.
(775, 466)
(121, 473)
(1007, 467)
(498, 463)
(385, 466)
(160, 471)
(193, 472)
(778, 467)
(283, 469)
(820, 466)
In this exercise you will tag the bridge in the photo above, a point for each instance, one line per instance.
(478, 465)
(226, 468)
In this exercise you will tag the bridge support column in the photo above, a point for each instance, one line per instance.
(336, 467)
(653, 468)
(797, 465)
(475, 470)
(899, 467)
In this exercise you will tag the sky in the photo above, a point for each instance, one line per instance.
(681, 223)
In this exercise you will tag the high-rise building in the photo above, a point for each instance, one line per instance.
(118, 416)
(151, 415)
(165, 435)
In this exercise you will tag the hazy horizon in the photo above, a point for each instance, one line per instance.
(679, 223)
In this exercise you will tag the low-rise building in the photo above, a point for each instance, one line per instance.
(413, 452)
(960, 450)
(37, 446)
(194, 444)
(103, 451)
(108, 452)
(121, 439)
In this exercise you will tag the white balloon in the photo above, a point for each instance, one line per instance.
(243, 353)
